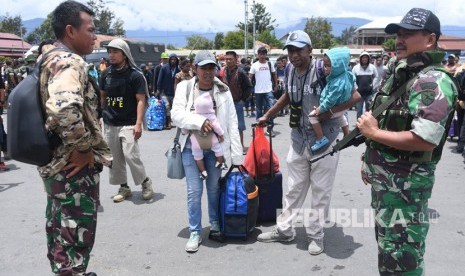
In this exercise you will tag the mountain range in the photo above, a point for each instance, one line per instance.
(178, 38)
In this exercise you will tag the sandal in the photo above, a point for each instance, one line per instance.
(319, 144)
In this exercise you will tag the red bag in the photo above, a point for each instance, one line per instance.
(258, 157)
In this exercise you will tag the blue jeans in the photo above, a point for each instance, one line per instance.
(263, 102)
(240, 115)
(195, 188)
(359, 105)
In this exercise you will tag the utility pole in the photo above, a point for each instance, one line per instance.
(22, 41)
(254, 11)
(246, 29)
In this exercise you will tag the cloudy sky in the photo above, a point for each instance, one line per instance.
(223, 15)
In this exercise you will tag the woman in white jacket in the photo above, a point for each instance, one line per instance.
(182, 116)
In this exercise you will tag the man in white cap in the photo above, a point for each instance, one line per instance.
(451, 65)
(302, 95)
(123, 92)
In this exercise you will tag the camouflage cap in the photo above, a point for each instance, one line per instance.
(31, 58)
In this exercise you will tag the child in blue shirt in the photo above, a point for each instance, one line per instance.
(340, 83)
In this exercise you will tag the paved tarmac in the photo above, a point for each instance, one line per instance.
(137, 237)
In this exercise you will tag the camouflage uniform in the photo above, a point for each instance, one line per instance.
(402, 181)
(10, 78)
(70, 103)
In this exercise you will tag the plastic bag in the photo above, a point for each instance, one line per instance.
(258, 157)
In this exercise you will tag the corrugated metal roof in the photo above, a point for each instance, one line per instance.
(452, 45)
(8, 36)
(12, 45)
(8, 44)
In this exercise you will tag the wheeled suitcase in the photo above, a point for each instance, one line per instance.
(270, 188)
(270, 193)
(238, 205)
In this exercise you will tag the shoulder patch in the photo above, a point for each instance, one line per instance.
(428, 85)
(427, 97)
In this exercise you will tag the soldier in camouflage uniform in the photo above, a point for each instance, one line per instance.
(72, 177)
(405, 144)
(10, 77)
(21, 71)
(31, 62)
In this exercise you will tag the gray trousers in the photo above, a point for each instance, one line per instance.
(125, 150)
(301, 177)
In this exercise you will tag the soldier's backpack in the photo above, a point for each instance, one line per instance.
(28, 140)
(155, 114)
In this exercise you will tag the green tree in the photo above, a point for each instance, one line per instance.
(270, 39)
(12, 25)
(347, 35)
(105, 21)
(235, 40)
(263, 20)
(170, 46)
(219, 41)
(390, 44)
(199, 42)
(41, 33)
(118, 28)
(319, 30)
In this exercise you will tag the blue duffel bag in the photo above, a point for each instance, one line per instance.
(238, 204)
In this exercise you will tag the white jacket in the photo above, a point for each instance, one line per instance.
(225, 113)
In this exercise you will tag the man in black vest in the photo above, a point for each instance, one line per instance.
(124, 91)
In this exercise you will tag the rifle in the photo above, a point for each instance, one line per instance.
(354, 138)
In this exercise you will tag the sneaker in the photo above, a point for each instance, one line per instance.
(316, 246)
(458, 150)
(123, 193)
(90, 274)
(194, 242)
(320, 143)
(270, 133)
(274, 236)
(147, 191)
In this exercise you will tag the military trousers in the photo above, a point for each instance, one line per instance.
(71, 214)
(401, 226)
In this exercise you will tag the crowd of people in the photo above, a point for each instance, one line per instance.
(208, 100)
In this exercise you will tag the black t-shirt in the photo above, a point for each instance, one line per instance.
(121, 88)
